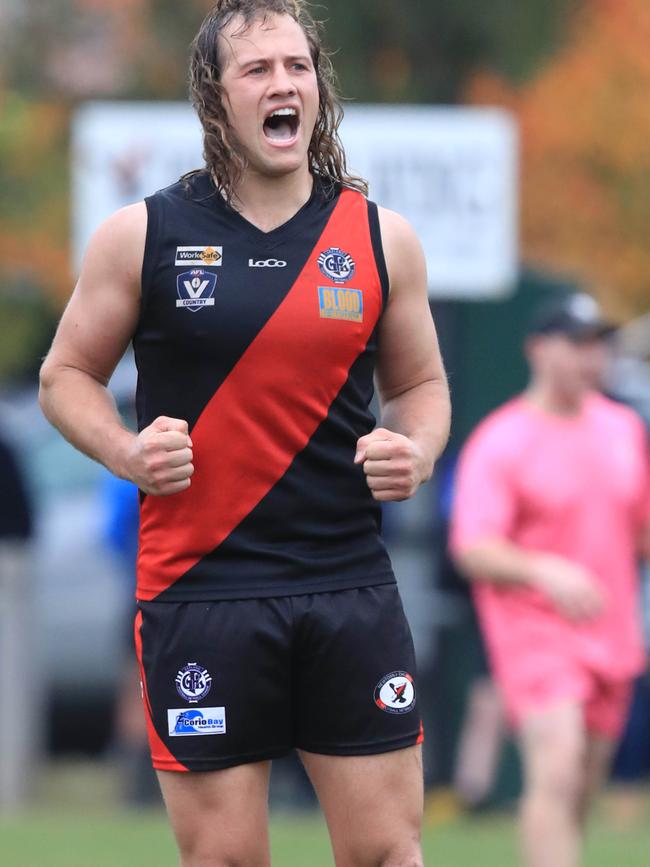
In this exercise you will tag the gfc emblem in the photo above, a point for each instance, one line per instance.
(193, 682)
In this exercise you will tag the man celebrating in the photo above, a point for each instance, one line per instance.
(260, 294)
(552, 498)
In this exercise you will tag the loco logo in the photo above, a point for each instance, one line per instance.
(395, 693)
(336, 264)
(193, 682)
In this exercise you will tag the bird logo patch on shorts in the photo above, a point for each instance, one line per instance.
(395, 693)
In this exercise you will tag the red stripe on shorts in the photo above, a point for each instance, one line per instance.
(162, 758)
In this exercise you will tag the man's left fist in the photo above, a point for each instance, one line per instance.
(394, 465)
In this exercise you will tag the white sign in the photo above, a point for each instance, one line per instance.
(452, 172)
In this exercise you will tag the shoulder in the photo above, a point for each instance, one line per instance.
(123, 226)
(501, 435)
(191, 186)
(118, 243)
(397, 231)
(403, 252)
(612, 412)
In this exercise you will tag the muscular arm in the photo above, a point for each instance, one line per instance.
(92, 336)
(400, 455)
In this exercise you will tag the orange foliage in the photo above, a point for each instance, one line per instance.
(34, 222)
(585, 122)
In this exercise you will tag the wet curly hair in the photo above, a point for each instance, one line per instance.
(222, 157)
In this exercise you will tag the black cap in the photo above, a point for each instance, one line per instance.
(577, 316)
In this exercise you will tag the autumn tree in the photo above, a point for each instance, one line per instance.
(585, 124)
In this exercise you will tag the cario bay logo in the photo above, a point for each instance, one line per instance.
(195, 289)
(182, 722)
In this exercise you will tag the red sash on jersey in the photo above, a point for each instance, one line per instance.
(266, 410)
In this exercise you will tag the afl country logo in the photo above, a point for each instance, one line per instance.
(395, 693)
(193, 682)
(195, 289)
(336, 264)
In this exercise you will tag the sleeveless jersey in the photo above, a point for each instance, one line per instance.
(265, 343)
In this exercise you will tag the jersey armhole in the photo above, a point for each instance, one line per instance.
(150, 248)
(378, 250)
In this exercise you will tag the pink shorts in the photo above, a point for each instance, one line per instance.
(534, 683)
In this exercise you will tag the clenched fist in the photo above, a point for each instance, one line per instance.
(159, 460)
(394, 465)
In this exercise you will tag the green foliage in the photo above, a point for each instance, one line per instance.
(423, 51)
(26, 328)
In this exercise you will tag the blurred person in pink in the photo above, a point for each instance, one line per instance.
(552, 511)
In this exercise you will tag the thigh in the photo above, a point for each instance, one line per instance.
(607, 709)
(216, 680)
(220, 817)
(355, 685)
(553, 743)
(537, 679)
(373, 805)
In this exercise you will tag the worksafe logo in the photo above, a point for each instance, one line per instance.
(182, 722)
(195, 289)
(201, 255)
(193, 682)
(346, 304)
(395, 693)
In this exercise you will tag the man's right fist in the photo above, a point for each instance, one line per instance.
(159, 460)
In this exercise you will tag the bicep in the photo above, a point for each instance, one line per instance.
(103, 311)
(408, 345)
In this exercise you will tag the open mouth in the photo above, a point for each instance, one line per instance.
(281, 125)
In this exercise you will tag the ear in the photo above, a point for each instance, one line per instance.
(529, 347)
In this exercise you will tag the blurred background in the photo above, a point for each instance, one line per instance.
(567, 171)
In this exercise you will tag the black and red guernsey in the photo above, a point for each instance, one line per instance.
(265, 342)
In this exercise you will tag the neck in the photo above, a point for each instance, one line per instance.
(268, 202)
(554, 400)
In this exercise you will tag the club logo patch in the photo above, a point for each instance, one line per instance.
(202, 255)
(395, 693)
(337, 265)
(193, 682)
(184, 722)
(195, 289)
(346, 304)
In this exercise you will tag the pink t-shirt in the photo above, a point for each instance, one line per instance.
(574, 486)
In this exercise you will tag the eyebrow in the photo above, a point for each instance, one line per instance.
(261, 60)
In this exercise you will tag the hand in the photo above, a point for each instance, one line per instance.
(572, 589)
(394, 465)
(160, 457)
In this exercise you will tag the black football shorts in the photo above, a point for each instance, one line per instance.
(238, 681)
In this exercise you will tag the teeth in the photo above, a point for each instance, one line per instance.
(284, 112)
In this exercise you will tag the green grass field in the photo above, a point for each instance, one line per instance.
(62, 839)
(74, 825)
